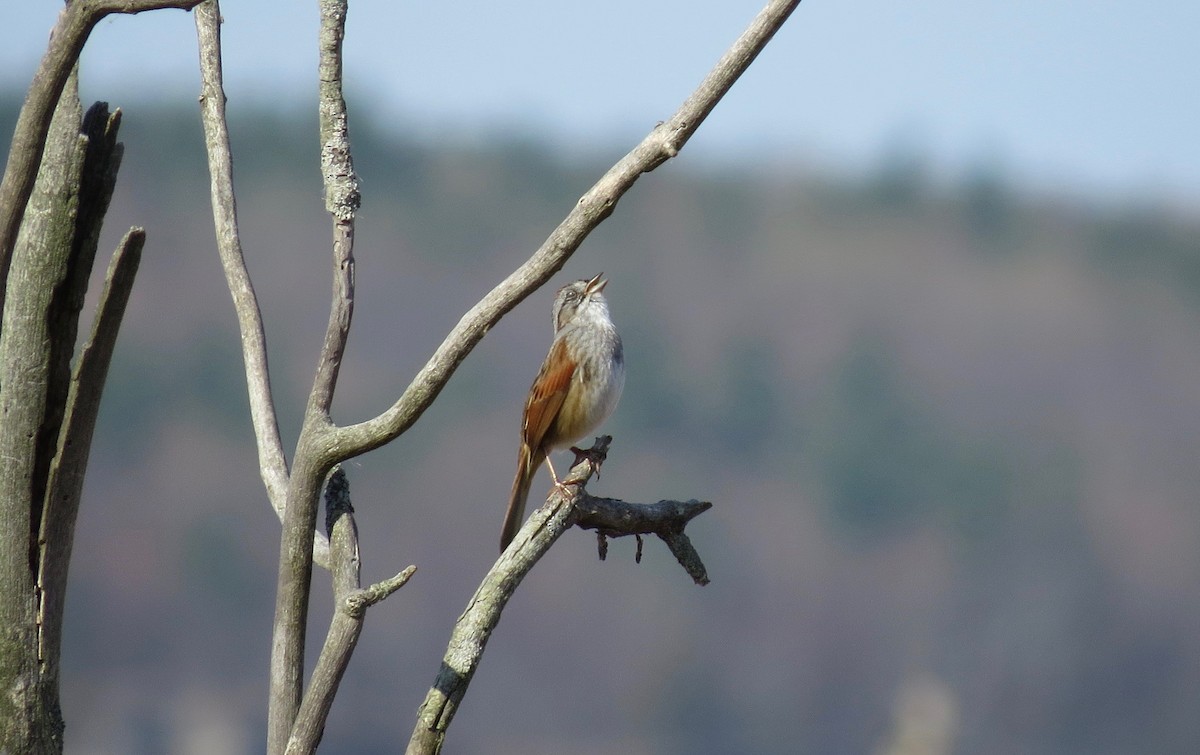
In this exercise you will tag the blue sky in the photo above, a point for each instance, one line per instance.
(1094, 98)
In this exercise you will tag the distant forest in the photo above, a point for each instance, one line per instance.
(950, 429)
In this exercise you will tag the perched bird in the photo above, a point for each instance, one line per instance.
(576, 389)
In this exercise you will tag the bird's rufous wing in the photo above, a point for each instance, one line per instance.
(547, 394)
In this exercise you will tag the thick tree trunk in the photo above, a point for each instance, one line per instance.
(51, 263)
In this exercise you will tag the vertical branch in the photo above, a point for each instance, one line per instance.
(341, 199)
(292, 589)
(87, 192)
(294, 495)
(53, 197)
(346, 624)
(298, 532)
(271, 461)
(29, 356)
(314, 452)
(51, 264)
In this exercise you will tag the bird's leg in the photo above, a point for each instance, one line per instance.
(557, 482)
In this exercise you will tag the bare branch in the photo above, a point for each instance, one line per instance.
(347, 622)
(45, 430)
(271, 460)
(369, 596)
(474, 627)
(685, 553)
(293, 585)
(31, 368)
(341, 200)
(75, 439)
(74, 25)
(665, 519)
(615, 518)
(293, 495)
(562, 511)
(313, 455)
(102, 8)
(663, 143)
(69, 225)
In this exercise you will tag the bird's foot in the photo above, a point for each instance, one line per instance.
(586, 453)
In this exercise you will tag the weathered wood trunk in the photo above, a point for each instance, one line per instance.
(47, 413)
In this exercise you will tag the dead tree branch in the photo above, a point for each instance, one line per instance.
(271, 461)
(660, 145)
(665, 520)
(51, 262)
(321, 444)
(315, 453)
(351, 602)
(65, 488)
(75, 24)
(474, 627)
(561, 511)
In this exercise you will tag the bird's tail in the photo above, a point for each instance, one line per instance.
(514, 517)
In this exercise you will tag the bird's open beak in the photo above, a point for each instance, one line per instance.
(595, 285)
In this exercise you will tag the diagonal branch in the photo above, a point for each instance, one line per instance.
(662, 143)
(561, 511)
(474, 627)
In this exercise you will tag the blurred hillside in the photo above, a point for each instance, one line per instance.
(951, 434)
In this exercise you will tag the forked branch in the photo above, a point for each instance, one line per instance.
(315, 451)
(351, 602)
(322, 444)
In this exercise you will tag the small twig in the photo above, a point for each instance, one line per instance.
(666, 519)
(686, 555)
(358, 602)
